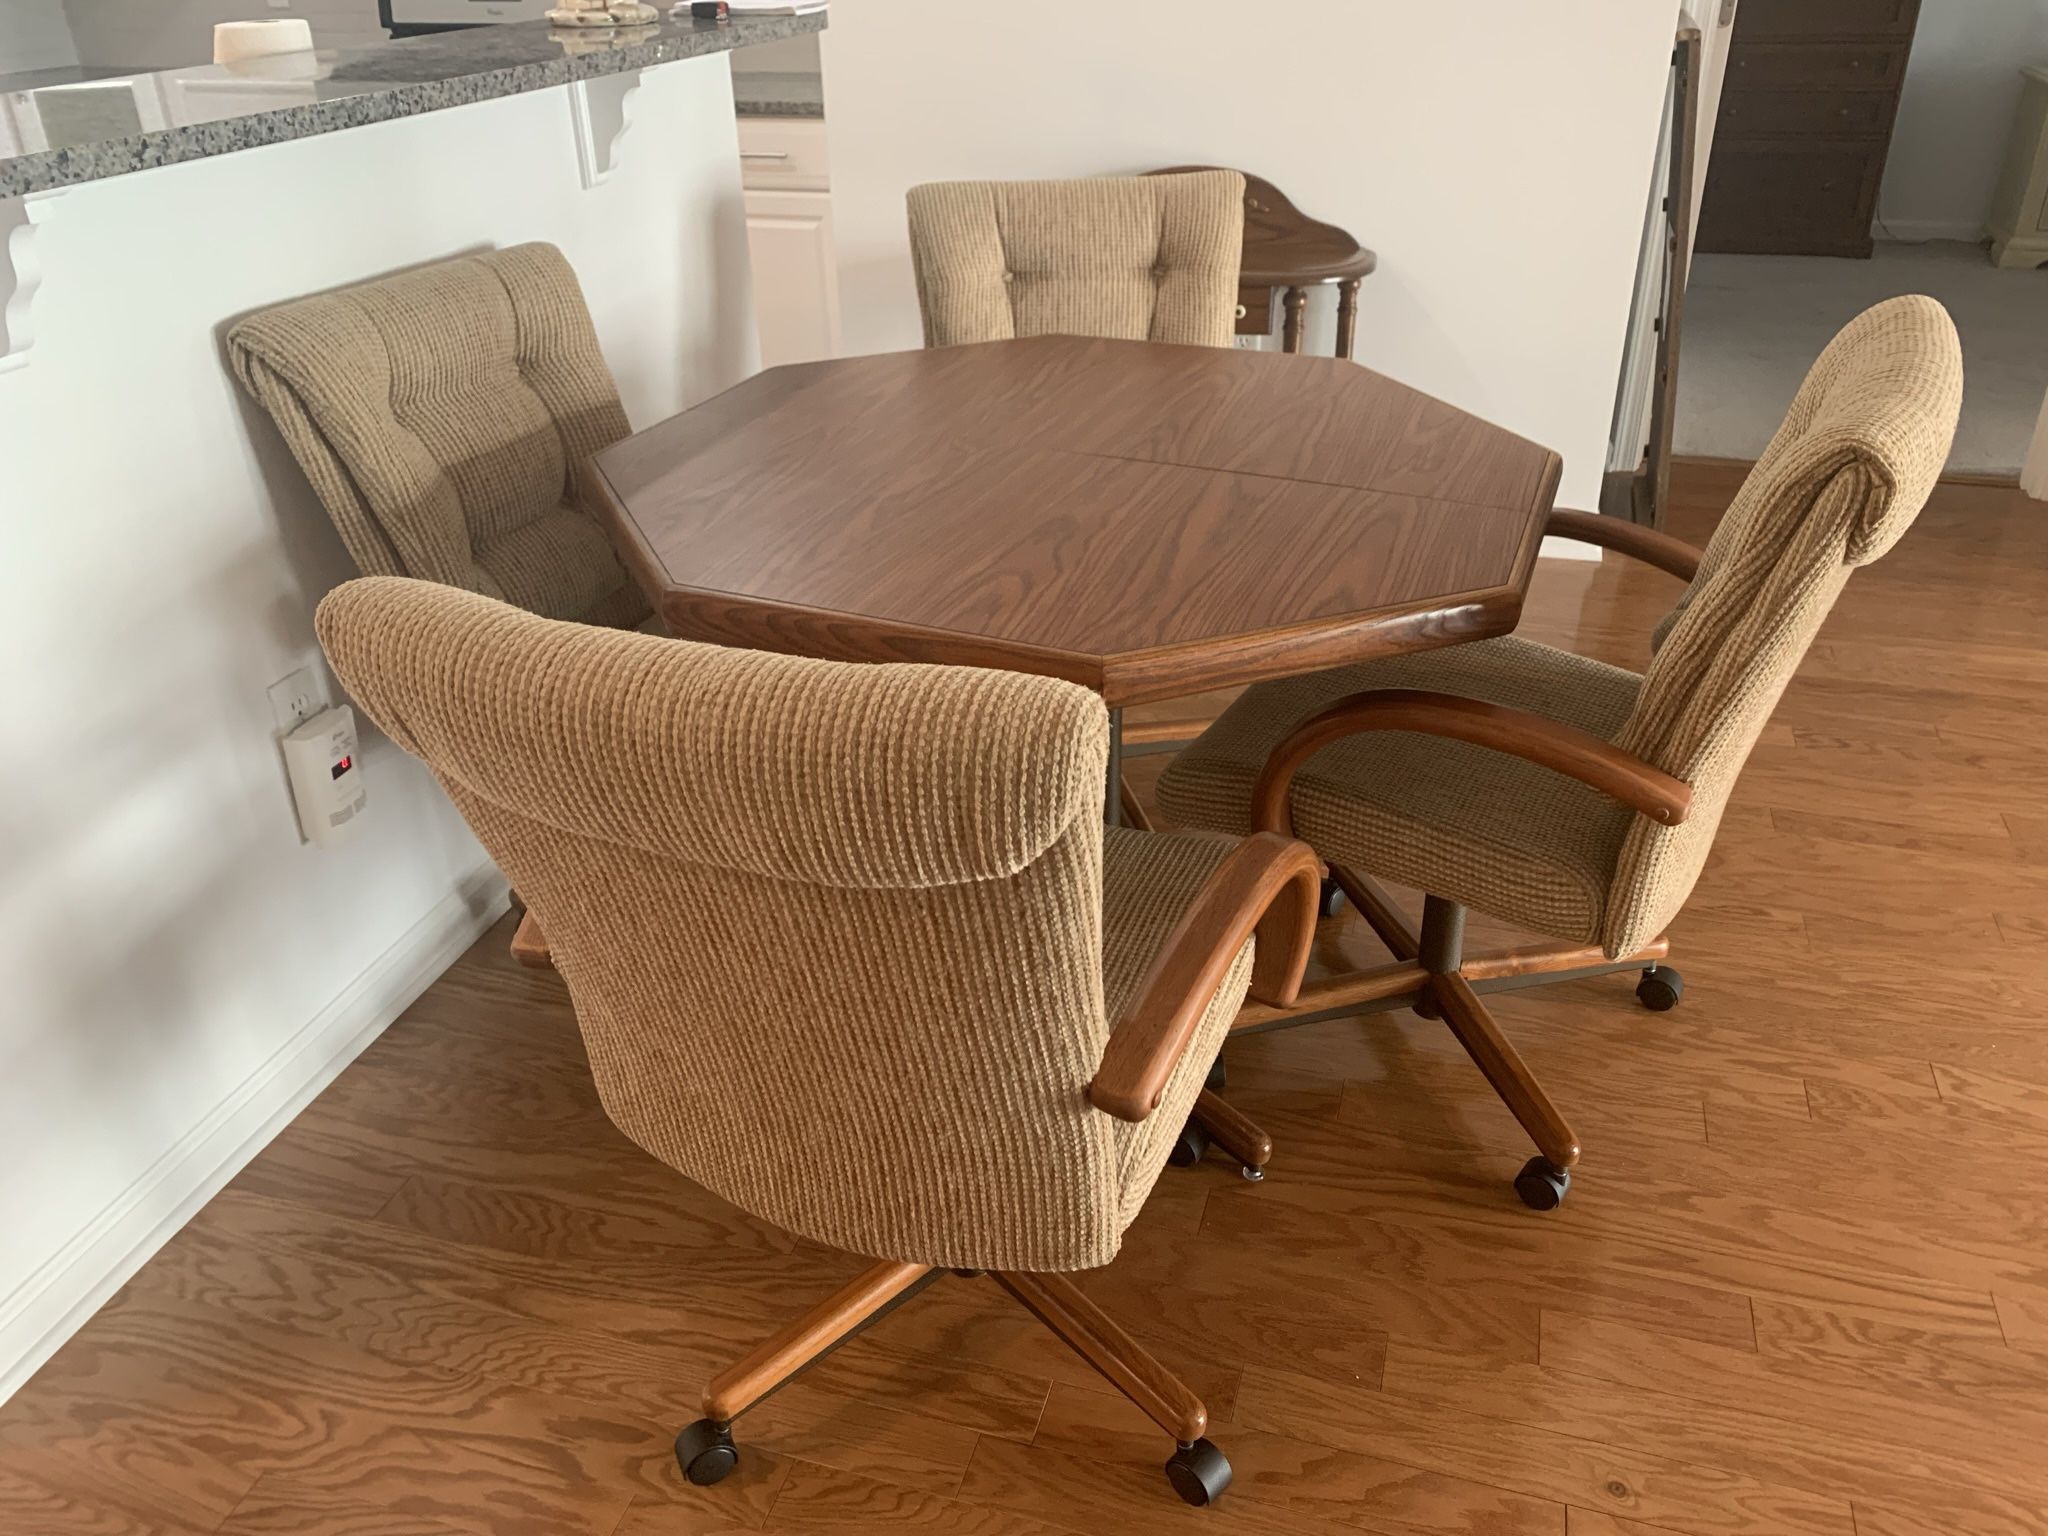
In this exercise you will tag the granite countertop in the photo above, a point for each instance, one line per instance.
(777, 93)
(98, 129)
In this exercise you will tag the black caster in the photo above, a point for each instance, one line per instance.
(1660, 989)
(1328, 898)
(705, 1452)
(1192, 1147)
(1199, 1473)
(1542, 1184)
(1218, 1079)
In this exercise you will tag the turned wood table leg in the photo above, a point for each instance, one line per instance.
(1347, 315)
(1297, 310)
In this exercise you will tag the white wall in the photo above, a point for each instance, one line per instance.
(1955, 115)
(179, 969)
(1496, 157)
(34, 35)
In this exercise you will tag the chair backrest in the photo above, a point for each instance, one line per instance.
(443, 415)
(833, 932)
(1141, 258)
(1857, 456)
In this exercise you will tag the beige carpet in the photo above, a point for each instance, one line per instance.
(1754, 323)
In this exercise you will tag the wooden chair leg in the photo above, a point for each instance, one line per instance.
(530, 945)
(1122, 1360)
(1504, 1069)
(1231, 1130)
(811, 1337)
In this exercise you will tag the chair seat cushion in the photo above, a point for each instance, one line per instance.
(560, 565)
(1519, 842)
(1149, 880)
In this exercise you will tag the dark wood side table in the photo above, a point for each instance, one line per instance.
(1287, 251)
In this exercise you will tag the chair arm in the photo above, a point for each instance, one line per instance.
(1633, 539)
(1565, 748)
(1267, 887)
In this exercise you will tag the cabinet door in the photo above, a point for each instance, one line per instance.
(796, 275)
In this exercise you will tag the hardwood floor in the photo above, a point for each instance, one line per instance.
(1800, 1285)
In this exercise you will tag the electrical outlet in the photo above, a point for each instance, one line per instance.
(297, 698)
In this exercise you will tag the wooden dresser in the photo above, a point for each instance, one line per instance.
(1805, 124)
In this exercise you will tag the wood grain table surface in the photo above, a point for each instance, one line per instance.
(1147, 520)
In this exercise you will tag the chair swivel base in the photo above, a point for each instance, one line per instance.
(1432, 975)
(1197, 1470)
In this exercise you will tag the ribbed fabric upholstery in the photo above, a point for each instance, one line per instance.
(840, 938)
(1856, 459)
(443, 416)
(1141, 258)
(1858, 454)
(1489, 830)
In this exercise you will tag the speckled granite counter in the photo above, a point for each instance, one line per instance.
(777, 93)
(212, 110)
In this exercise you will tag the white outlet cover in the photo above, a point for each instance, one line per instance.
(297, 697)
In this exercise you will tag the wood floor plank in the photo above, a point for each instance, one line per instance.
(826, 1499)
(1536, 1462)
(1669, 1419)
(1966, 1440)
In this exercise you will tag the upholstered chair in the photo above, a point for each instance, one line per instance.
(443, 416)
(1140, 258)
(1562, 795)
(851, 947)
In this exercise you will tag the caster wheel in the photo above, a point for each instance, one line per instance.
(1218, 1079)
(1660, 989)
(1542, 1184)
(1328, 898)
(705, 1452)
(1199, 1473)
(1192, 1147)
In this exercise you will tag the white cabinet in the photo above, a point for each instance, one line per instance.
(789, 232)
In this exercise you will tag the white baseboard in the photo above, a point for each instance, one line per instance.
(1566, 549)
(55, 1301)
(1912, 230)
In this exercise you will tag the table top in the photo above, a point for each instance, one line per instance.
(1148, 520)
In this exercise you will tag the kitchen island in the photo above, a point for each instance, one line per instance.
(183, 971)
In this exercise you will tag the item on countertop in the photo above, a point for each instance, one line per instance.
(597, 13)
(726, 10)
(236, 41)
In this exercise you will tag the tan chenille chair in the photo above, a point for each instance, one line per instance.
(1560, 794)
(444, 415)
(851, 947)
(1141, 258)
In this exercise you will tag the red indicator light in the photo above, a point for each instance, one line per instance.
(343, 766)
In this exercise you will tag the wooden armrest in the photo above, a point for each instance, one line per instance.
(1267, 887)
(1633, 539)
(1583, 756)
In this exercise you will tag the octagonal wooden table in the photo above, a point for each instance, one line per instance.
(1149, 520)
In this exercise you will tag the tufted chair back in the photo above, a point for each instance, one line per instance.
(444, 415)
(1137, 258)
